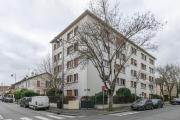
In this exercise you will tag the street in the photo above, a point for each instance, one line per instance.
(10, 111)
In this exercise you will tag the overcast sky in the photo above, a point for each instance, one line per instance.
(27, 27)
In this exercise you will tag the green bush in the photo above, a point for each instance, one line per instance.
(20, 93)
(123, 92)
(99, 98)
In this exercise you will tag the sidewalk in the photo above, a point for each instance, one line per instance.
(88, 112)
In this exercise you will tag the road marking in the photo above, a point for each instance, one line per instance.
(124, 113)
(42, 118)
(25, 118)
(7, 119)
(67, 116)
(1, 117)
(56, 117)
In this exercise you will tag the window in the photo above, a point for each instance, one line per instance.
(106, 48)
(54, 46)
(76, 62)
(69, 92)
(133, 51)
(70, 64)
(133, 84)
(121, 82)
(133, 62)
(143, 86)
(69, 35)
(75, 31)
(143, 76)
(55, 58)
(70, 50)
(123, 57)
(151, 70)
(38, 83)
(105, 63)
(143, 56)
(151, 61)
(59, 68)
(123, 70)
(76, 77)
(151, 87)
(143, 66)
(133, 73)
(59, 56)
(151, 79)
(75, 46)
(69, 78)
(75, 92)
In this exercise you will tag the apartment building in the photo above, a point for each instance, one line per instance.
(83, 81)
(37, 83)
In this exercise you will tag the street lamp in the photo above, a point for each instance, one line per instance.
(14, 75)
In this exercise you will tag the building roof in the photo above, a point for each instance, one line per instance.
(87, 12)
(25, 79)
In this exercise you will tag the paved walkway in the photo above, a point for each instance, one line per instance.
(87, 112)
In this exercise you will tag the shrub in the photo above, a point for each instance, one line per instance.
(99, 98)
(123, 92)
(18, 94)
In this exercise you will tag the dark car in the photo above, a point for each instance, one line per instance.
(157, 103)
(142, 104)
(7, 99)
(175, 101)
(24, 102)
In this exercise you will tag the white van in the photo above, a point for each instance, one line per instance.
(38, 102)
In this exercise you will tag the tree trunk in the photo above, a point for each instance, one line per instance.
(177, 92)
(169, 96)
(110, 102)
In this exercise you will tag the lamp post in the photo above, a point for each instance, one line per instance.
(14, 75)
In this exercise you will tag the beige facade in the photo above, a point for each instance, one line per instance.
(37, 83)
(4, 89)
(158, 91)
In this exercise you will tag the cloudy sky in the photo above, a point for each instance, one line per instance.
(27, 27)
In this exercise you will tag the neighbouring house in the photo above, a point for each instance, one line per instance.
(4, 89)
(165, 91)
(85, 81)
(38, 83)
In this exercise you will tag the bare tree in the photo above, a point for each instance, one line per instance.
(102, 45)
(160, 82)
(168, 76)
(53, 69)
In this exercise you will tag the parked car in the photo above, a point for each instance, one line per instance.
(157, 103)
(142, 104)
(7, 99)
(24, 102)
(39, 102)
(175, 101)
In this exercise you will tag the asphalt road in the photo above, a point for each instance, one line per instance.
(10, 111)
